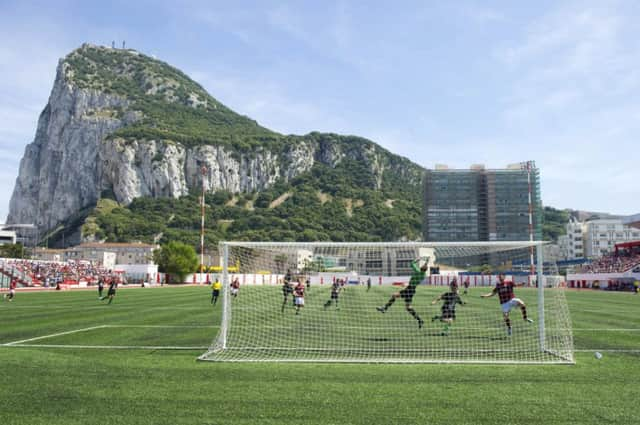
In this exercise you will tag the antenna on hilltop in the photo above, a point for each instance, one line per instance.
(123, 44)
(113, 44)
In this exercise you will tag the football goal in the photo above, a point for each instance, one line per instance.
(413, 302)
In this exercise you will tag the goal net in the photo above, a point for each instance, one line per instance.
(390, 302)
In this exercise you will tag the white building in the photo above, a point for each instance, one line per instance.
(632, 221)
(575, 240)
(303, 258)
(553, 252)
(563, 245)
(123, 253)
(601, 235)
(7, 237)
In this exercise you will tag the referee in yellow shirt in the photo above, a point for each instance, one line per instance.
(215, 291)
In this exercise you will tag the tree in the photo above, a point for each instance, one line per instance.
(12, 251)
(176, 258)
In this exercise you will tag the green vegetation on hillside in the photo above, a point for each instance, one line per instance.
(303, 216)
(554, 223)
(173, 106)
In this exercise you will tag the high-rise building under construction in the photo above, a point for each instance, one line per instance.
(479, 204)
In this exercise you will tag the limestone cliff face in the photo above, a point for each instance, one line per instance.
(75, 157)
(60, 172)
(166, 169)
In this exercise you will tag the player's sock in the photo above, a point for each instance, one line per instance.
(509, 331)
(524, 314)
(110, 299)
(415, 315)
(389, 303)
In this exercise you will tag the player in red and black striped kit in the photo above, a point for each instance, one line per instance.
(508, 300)
(298, 295)
(12, 290)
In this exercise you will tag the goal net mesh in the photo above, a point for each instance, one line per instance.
(357, 307)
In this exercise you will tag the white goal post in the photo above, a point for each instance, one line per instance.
(399, 302)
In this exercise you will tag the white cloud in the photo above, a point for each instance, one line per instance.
(571, 75)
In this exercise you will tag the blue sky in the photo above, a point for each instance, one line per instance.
(457, 83)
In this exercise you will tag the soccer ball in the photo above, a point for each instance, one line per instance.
(598, 355)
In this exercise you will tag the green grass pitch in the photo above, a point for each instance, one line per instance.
(72, 359)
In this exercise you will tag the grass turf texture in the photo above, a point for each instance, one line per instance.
(44, 385)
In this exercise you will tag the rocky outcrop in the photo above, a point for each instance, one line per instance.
(74, 158)
(60, 172)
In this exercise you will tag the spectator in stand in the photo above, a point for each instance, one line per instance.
(624, 261)
(51, 272)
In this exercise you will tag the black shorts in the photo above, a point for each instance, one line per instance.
(407, 294)
(448, 313)
(111, 292)
(215, 292)
(334, 295)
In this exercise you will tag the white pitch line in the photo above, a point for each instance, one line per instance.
(109, 347)
(164, 326)
(608, 329)
(54, 335)
(607, 350)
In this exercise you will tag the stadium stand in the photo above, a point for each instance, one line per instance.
(625, 257)
(50, 273)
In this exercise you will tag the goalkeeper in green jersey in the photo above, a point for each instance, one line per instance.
(448, 312)
(409, 291)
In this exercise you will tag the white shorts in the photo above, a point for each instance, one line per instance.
(234, 291)
(299, 300)
(513, 302)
